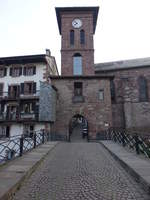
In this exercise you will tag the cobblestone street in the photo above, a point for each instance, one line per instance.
(80, 171)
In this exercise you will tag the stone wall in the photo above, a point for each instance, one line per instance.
(136, 114)
(97, 112)
(118, 115)
(47, 103)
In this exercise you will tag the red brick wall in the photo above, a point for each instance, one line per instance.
(95, 111)
(85, 50)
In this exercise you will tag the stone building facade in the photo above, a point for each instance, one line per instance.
(126, 84)
(97, 111)
(80, 92)
(130, 92)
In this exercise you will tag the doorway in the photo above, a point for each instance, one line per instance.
(78, 128)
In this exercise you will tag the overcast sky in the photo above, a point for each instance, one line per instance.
(30, 26)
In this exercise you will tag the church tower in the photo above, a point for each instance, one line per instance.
(77, 26)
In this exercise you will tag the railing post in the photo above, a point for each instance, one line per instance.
(34, 140)
(43, 135)
(123, 139)
(21, 145)
(115, 137)
(137, 143)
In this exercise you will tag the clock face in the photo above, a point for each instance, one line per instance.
(76, 23)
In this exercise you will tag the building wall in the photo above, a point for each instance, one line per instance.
(44, 69)
(9, 80)
(134, 113)
(86, 50)
(17, 129)
(97, 112)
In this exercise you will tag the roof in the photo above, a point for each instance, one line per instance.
(22, 59)
(122, 65)
(94, 10)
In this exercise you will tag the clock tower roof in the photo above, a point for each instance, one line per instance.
(60, 10)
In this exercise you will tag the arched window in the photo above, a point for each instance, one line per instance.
(72, 37)
(143, 93)
(82, 37)
(77, 64)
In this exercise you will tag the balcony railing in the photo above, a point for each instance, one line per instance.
(14, 95)
(18, 116)
(32, 116)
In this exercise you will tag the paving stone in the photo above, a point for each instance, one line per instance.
(80, 171)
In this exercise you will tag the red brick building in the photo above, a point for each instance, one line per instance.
(80, 92)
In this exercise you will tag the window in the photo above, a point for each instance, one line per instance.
(1, 89)
(4, 131)
(28, 107)
(82, 37)
(14, 91)
(28, 130)
(101, 95)
(28, 88)
(3, 72)
(72, 37)
(77, 64)
(78, 93)
(112, 91)
(143, 93)
(16, 71)
(78, 89)
(12, 112)
(29, 71)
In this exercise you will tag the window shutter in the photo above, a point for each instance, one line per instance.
(2, 107)
(9, 90)
(22, 88)
(1, 89)
(33, 106)
(21, 107)
(24, 71)
(36, 108)
(10, 72)
(20, 71)
(34, 70)
(5, 71)
(34, 88)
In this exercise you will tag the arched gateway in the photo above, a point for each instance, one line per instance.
(78, 128)
(79, 89)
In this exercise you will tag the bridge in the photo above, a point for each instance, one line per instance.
(110, 169)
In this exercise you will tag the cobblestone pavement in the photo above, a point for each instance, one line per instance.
(80, 171)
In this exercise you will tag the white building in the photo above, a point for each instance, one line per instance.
(20, 79)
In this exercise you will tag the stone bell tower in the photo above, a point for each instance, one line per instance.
(77, 26)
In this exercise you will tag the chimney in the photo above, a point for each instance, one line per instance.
(48, 52)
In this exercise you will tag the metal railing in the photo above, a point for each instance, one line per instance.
(18, 145)
(18, 95)
(132, 141)
(15, 116)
